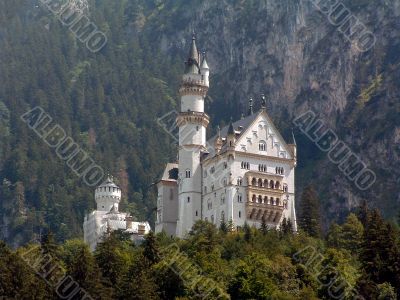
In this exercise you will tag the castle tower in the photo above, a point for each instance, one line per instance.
(192, 123)
(107, 196)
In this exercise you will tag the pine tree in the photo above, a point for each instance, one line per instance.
(264, 226)
(223, 227)
(151, 249)
(309, 219)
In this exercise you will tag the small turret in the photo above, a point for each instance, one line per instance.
(108, 196)
(205, 70)
(231, 136)
(250, 112)
(293, 146)
(218, 142)
(263, 102)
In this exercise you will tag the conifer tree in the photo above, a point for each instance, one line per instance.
(309, 219)
(151, 249)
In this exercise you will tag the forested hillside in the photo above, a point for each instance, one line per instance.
(212, 263)
(109, 101)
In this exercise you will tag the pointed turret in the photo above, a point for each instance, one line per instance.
(205, 70)
(192, 63)
(218, 142)
(231, 137)
(250, 112)
(263, 102)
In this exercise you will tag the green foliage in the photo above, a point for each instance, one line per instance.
(244, 264)
(309, 219)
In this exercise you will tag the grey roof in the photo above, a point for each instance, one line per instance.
(244, 123)
(204, 64)
(192, 64)
(170, 172)
(108, 183)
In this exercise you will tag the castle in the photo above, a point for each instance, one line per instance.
(244, 174)
(107, 217)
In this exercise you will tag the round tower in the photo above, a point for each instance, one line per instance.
(107, 196)
(192, 122)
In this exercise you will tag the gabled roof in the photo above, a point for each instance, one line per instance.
(244, 125)
(170, 172)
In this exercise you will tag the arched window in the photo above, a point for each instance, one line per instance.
(271, 184)
(259, 199)
(225, 165)
(265, 199)
(222, 199)
(277, 185)
(188, 199)
(260, 182)
(262, 146)
(248, 166)
(254, 182)
(278, 202)
(239, 181)
(265, 182)
(197, 213)
(239, 198)
(254, 198)
(187, 173)
(285, 188)
(240, 214)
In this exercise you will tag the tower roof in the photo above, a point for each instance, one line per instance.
(108, 183)
(192, 63)
(231, 130)
(204, 64)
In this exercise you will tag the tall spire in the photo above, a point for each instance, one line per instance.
(231, 130)
(263, 102)
(250, 112)
(192, 63)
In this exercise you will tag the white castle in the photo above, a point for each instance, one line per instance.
(244, 174)
(107, 217)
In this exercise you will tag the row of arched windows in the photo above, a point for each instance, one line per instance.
(266, 200)
(109, 188)
(245, 165)
(266, 183)
(262, 146)
(262, 168)
(279, 170)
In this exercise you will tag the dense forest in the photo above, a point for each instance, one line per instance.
(109, 101)
(359, 259)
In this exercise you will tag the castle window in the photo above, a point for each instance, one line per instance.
(205, 190)
(262, 146)
(245, 165)
(197, 128)
(212, 170)
(239, 181)
(225, 182)
(212, 219)
(285, 188)
(239, 198)
(254, 182)
(240, 214)
(222, 199)
(222, 217)
(188, 199)
(197, 213)
(187, 173)
(209, 204)
(225, 165)
(260, 182)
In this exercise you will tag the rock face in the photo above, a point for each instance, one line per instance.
(294, 53)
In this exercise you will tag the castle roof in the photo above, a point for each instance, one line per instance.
(170, 172)
(108, 183)
(192, 63)
(243, 124)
